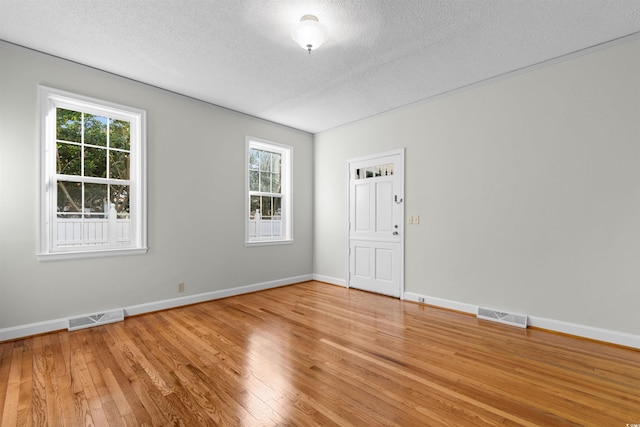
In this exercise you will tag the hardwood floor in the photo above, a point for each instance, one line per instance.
(315, 354)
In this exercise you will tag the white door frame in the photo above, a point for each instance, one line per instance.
(400, 152)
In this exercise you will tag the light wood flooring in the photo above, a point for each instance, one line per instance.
(315, 354)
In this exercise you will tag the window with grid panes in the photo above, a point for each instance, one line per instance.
(92, 177)
(268, 192)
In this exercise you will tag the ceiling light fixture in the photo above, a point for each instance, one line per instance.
(309, 33)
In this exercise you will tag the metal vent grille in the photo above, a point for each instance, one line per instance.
(512, 319)
(96, 319)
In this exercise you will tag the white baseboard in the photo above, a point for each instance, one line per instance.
(31, 329)
(605, 335)
(329, 279)
(209, 296)
(440, 302)
(598, 334)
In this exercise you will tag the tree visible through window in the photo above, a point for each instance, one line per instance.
(92, 146)
(268, 169)
(93, 176)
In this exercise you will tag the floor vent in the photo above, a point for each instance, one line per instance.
(519, 320)
(96, 319)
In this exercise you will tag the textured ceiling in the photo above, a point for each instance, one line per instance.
(380, 55)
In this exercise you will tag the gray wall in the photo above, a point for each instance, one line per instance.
(528, 191)
(195, 199)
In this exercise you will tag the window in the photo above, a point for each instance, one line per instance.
(268, 197)
(92, 184)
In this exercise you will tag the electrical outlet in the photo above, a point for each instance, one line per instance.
(409, 219)
(181, 287)
(416, 219)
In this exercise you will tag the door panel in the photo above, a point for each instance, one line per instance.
(362, 262)
(376, 231)
(384, 206)
(375, 267)
(362, 207)
(384, 264)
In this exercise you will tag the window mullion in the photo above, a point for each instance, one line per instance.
(265, 193)
(92, 180)
(82, 147)
(107, 148)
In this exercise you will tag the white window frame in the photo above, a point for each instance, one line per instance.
(286, 191)
(49, 100)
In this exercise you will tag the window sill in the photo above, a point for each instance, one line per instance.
(268, 242)
(56, 256)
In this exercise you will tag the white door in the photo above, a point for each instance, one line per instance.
(376, 231)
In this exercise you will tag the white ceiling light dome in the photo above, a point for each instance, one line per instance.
(309, 33)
